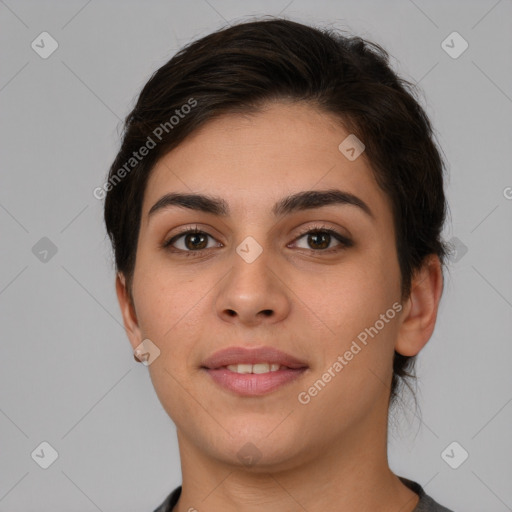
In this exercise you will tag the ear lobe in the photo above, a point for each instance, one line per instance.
(420, 311)
(128, 311)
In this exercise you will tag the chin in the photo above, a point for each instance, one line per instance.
(258, 450)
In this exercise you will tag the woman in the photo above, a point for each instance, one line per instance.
(276, 212)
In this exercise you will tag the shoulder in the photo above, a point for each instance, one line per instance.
(170, 501)
(426, 503)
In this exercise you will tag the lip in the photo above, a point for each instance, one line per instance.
(241, 355)
(252, 384)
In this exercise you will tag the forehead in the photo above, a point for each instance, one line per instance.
(254, 160)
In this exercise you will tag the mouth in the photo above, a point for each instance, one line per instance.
(258, 368)
(253, 372)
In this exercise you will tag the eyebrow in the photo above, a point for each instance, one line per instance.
(300, 201)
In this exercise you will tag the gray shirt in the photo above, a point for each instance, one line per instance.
(426, 503)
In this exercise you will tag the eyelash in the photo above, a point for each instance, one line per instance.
(344, 241)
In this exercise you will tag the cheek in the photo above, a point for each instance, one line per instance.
(341, 301)
(163, 295)
(174, 310)
(171, 316)
(352, 312)
(356, 340)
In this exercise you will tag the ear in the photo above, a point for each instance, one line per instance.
(420, 310)
(128, 311)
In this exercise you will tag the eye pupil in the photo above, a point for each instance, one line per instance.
(318, 235)
(194, 237)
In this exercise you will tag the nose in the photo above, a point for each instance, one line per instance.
(253, 292)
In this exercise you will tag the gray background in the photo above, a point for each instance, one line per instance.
(67, 375)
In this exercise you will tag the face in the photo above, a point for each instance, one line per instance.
(314, 282)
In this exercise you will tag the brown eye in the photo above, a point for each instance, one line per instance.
(191, 240)
(196, 241)
(320, 239)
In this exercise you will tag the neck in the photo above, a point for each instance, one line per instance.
(351, 475)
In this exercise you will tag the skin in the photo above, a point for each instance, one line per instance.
(330, 454)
